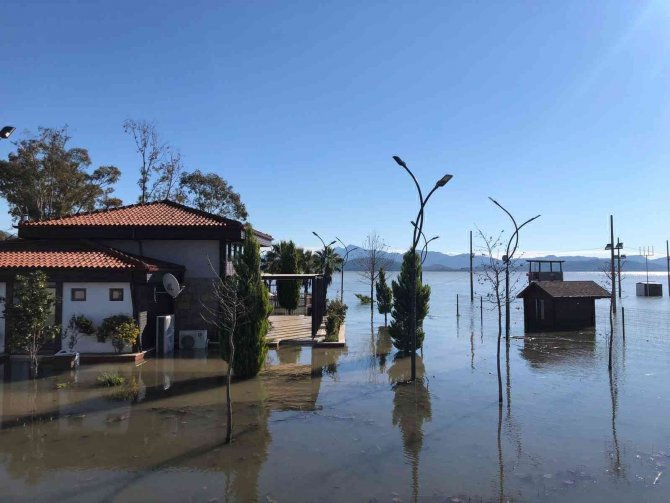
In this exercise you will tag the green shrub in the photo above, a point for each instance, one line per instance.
(83, 324)
(121, 329)
(336, 312)
(366, 300)
(110, 379)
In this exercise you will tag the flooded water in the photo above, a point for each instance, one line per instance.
(334, 425)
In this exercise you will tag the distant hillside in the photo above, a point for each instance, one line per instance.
(436, 261)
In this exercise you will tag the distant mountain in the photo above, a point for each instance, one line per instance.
(437, 261)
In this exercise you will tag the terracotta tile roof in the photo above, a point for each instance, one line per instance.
(29, 254)
(569, 289)
(155, 214)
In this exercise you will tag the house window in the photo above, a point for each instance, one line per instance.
(116, 294)
(78, 294)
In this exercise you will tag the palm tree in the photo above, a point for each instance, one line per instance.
(329, 262)
(307, 265)
(271, 261)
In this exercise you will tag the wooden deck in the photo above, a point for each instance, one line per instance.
(293, 329)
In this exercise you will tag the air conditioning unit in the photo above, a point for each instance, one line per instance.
(164, 334)
(192, 339)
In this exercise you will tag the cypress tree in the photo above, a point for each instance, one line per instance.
(402, 288)
(384, 295)
(252, 325)
(288, 291)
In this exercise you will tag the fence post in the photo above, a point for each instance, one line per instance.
(457, 312)
(481, 310)
(623, 322)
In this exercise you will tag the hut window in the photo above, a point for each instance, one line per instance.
(78, 294)
(116, 294)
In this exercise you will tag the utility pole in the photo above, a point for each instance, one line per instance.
(619, 246)
(472, 288)
(613, 276)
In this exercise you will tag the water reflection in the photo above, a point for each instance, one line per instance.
(168, 413)
(384, 346)
(566, 349)
(411, 408)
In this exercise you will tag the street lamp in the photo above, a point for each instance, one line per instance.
(6, 132)
(507, 258)
(347, 251)
(418, 229)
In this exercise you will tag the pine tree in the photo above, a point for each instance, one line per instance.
(252, 325)
(384, 295)
(402, 288)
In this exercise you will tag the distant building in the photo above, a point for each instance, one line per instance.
(555, 305)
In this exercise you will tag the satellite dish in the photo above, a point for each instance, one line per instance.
(171, 285)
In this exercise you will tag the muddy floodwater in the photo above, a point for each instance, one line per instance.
(333, 425)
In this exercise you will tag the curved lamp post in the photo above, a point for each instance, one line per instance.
(507, 258)
(418, 229)
(347, 251)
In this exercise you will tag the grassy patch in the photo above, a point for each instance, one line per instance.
(110, 379)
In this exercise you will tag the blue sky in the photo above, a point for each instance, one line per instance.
(556, 107)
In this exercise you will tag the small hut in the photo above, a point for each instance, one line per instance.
(551, 306)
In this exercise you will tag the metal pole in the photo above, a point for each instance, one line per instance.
(472, 288)
(612, 265)
(623, 322)
(412, 316)
(507, 300)
(618, 259)
(481, 310)
(457, 313)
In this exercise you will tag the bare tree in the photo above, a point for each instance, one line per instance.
(160, 164)
(167, 185)
(493, 275)
(229, 308)
(607, 279)
(374, 257)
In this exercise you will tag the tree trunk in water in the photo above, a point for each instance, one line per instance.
(385, 319)
(372, 301)
(229, 426)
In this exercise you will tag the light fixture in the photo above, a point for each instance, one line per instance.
(399, 161)
(444, 180)
(6, 132)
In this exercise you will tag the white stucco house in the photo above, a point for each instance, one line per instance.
(112, 262)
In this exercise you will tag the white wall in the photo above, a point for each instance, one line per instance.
(96, 308)
(3, 292)
(193, 254)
